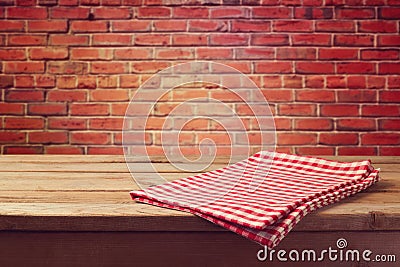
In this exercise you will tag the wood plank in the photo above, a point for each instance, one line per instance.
(88, 175)
(130, 216)
(122, 167)
(390, 182)
(62, 158)
(94, 167)
(179, 248)
(70, 181)
(76, 174)
(58, 196)
(122, 196)
(81, 206)
(90, 191)
(66, 209)
(99, 159)
(66, 181)
(121, 159)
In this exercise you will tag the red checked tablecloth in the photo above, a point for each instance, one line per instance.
(263, 197)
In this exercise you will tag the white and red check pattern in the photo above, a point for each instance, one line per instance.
(265, 196)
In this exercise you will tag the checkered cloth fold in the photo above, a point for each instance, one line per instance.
(263, 197)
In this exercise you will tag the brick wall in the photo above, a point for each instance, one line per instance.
(329, 68)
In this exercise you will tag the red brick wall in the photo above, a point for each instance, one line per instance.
(329, 68)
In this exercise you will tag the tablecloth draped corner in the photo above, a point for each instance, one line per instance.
(263, 197)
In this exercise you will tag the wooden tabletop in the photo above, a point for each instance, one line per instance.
(91, 193)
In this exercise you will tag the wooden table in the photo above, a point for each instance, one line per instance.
(76, 211)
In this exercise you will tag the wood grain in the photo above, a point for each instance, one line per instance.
(94, 167)
(76, 211)
(66, 181)
(95, 189)
(161, 159)
(122, 167)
